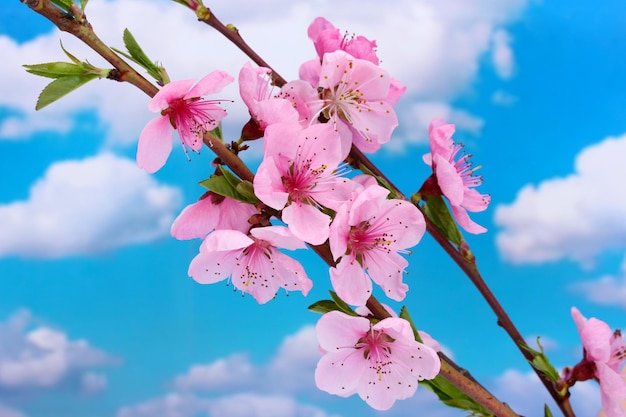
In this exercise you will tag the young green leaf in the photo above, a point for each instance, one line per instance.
(324, 306)
(220, 185)
(55, 69)
(138, 56)
(546, 411)
(60, 87)
(246, 190)
(437, 211)
(454, 397)
(63, 4)
(541, 362)
(83, 4)
(404, 314)
(342, 305)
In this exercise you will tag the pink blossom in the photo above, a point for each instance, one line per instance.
(212, 212)
(299, 176)
(353, 94)
(327, 38)
(606, 350)
(256, 92)
(367, 235)
(456, 179)
(252, 261)
(181, 107)
(381, 362)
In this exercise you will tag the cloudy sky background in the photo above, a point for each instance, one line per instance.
(97, 314)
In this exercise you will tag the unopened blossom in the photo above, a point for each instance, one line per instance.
(212, 212)
(353, 93)
(253, 262)
(367, 236)
(182, 107)
(454, 174)
(605, 352)
(380, 362)
(299, 176)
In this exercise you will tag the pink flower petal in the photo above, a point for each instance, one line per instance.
(212, 83)
(350, 282)
(169, 92)
(155, 144)
(307, 222)
(195, 221)
(463, 219)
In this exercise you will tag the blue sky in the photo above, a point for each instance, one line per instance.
(97, 314)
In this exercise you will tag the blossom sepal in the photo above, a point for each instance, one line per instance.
(228, 185)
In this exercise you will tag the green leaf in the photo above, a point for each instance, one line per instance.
(437, 211)
(60, 87)
(220, 185)
(138, 56)
(541, 362)
(63, 4)
(454, 397)
(404, 314)
(342, 305)
(546, 411)
(246, 190)
(83, 4)
(324, 306)
(55, 69)
(72, 57)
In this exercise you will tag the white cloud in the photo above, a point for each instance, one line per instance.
(419, 115)
(526, 394)
(606, 290)
(502, 54)
(36, 356)
(234, 371)
(437, 53)
(87, 206)
(575, 217)
(92, 382)
(244, 389)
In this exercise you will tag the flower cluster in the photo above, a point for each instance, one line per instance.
(301, 194)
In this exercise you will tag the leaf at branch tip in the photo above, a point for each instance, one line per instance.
(541, 362)
(83, 4)
(437, 211)
(60, 87)
(228, 185)
(138, 56)
(70, 56)
(55, 69)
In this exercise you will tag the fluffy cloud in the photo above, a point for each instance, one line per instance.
(245, 389)
(606, 290)
(33, 356)
(575, 217)
(87, 206)
(434, 48)
(37, 359)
